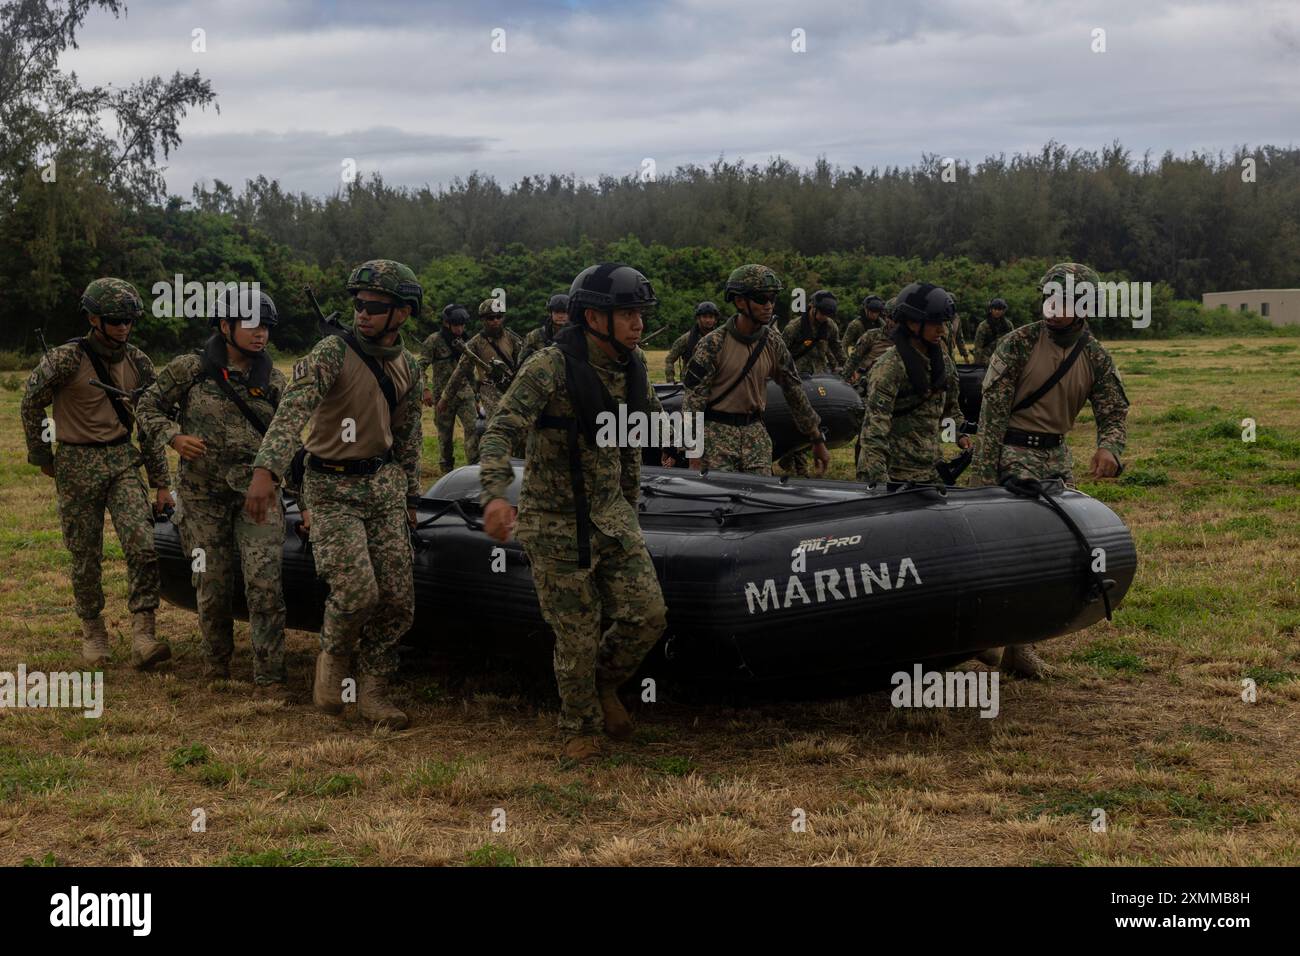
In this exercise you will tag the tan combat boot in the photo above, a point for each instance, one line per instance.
(146, 649)
(373, 702)
(94, 641)
(1023, 661)
(617, 722)
(582, 748)
(327, 689)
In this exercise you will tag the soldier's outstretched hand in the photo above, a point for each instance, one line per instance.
(499, 519)
(1104, 464)
(821, 458)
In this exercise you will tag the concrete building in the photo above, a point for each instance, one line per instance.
(1279, 306)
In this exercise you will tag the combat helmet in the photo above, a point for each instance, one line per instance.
(1058, 273)
(997, 303)
(558, 303)
(873, 302)
(393, 278)
(706, 308)
(922, 302)
(752, 278)
(825, 302)
(606, 287)
(109, 296)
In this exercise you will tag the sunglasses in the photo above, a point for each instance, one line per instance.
(763, 298)
(118, 318)
(371, 307)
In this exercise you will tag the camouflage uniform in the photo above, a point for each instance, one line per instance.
(744, 448)
(953, 341)
(466, 371)
(872, 345)
(101, 473)
(815, 356)
(987, 337)
(858, 328)
(210, 511)
(621, 585)
(360, 537)
(438, 355)
(993, 460)
(900, 429)
(536, 340)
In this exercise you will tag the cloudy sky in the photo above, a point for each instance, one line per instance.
(415, 92)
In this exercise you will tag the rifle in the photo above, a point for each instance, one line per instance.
(331, 320)
(131, 397)
(652, 335)
(40, 337)
(497, 370)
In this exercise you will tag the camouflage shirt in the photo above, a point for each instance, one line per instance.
(814, 355)
(60, 365)
(439, 358)
(467, 372)
(954, 340)
(611, 476)
(900, 429)
(314, 377)
(677, 353)
(873, 344)
(534, 341)
(986, 340)
(858, 328)
(1109, 403)
(205, 412)
(704, 370)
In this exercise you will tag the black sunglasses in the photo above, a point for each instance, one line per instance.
(118, 318)
(372, 307)
(761, 297)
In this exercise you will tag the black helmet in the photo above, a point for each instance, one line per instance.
(455, 314)
(997, 303)
(230, 306)
(825, 302)
(707, 308)
(873, 302)
(558, 303)
(609, 286)
(923, 302)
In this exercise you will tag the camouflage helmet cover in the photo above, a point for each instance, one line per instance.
(487, 310)
(108, 296)
(1058, 272)
(752, 278)
(392, 278)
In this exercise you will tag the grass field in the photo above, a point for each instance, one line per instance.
(1143, 718)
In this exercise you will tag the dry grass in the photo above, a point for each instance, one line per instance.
(1143, 719)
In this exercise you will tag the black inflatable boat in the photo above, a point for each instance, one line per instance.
(767, 580)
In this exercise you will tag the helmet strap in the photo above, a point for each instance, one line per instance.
(387, 330)
(230, 340)
(108, 342)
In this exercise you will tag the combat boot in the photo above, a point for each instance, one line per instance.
(146, 649)
(216, 670)
(373, 702)
(617, 722)
(94, 641)
(327, 689)
(277, 691)
(581, 748)
(1023, 661)
(446, 466)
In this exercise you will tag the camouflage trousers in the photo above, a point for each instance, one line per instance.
(1040, 463)
(796, 463)
(233, 547)
(89, 481)
(746, 448)
(464, 411)
(361, 542)
(620, 587)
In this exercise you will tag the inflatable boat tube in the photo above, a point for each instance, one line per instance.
(767, 580)
(835, 401)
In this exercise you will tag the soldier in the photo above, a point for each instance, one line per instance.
(814, 343)
(359, 389)
(991, 330)
(873, 344)
(727, 381)
(954, 341)
(227, 393)
(871, 317)
(1037, 381)
(579, 526)
(494, 343)
(440, 353)
(97, 468)
(706, 318)
(913, 387)
(557, 308)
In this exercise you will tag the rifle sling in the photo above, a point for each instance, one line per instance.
(755, 351)
(101, 371)
(218, 375)
(1056, 376)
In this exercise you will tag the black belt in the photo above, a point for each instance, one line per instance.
(1015, 436)
(98, 444)
(738, 419)
(355, 466)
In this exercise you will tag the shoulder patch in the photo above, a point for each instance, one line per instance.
(301, 370)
